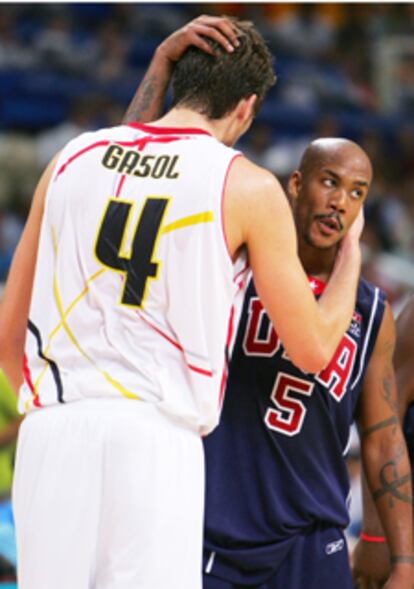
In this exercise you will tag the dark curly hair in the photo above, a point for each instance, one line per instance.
(213, 85)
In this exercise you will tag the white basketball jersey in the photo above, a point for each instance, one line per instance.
(135, 294)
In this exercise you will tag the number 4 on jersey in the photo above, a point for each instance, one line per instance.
(137, 265)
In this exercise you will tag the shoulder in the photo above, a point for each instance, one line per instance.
(378, 317)
(256, 210)
(254, 194)
(369, 290)
(385, 337)
(104, 135)
(405, 328)
(371, 299)
(247, 177)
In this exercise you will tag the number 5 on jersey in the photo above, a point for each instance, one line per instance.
(137, 263)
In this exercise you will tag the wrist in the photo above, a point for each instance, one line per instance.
(402, 562)
(351, 246)
(376, 539)
(162, 58)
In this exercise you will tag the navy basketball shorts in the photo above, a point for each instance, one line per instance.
(318, 560)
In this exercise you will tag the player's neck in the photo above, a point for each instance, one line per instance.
(186, 118)
(317, 262)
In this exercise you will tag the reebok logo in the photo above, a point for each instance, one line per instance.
(333, 547)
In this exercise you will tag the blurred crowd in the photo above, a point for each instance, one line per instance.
(343, 70)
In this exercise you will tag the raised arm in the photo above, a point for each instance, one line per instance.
(14, 308)
(371, 558)
(388, 476)
(258, 215)
(148, 101)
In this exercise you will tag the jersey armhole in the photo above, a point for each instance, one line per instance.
(222, 204)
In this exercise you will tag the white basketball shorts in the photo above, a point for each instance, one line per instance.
(108, 494)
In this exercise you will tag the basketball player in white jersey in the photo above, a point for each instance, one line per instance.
(129, 275)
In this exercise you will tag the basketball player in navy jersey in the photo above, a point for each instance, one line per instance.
(277, 485)
(371, 555)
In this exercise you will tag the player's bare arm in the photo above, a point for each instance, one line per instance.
(14, 308)
(403, 357)
(258, 215)
(148, 101)
(387, 469)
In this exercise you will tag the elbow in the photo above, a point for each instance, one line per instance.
(10, 350)
(311, 359)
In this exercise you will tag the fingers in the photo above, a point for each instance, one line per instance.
(220, 29)
(198, 41)
(213, 33)
(227, 27)
(197, 33)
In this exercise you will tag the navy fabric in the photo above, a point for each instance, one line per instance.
(275, 464)
(318, 560)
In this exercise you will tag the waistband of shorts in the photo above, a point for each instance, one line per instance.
(114, 407)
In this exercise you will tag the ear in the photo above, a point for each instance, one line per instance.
(294, 184)
(245, 109)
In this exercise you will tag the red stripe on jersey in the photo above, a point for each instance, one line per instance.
(222, 385)
(28, 379)
(120, 185)
(225, 367)
(178, 346)
(222, 203)
(138, 143)
(168, 130)
(199, 370)
(79, 153)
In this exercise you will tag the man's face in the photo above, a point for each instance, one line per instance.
(328, 197)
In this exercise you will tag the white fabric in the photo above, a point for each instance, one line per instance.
(108, 494)
(170, 352)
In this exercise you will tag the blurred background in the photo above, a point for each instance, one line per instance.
(343, 70)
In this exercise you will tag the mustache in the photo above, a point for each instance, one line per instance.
(334, 216)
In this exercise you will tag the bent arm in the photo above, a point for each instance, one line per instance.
(14, 309)
(257, 213)
(387, 494)
(148, 100)
(147, 103)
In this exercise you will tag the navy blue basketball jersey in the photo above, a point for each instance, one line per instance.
(276, 463)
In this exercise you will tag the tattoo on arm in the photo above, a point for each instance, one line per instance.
(144, 98)
(387, 387)
(391, 482)
(380, 425)
(402, 559)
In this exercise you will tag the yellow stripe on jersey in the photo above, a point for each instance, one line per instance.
(72, 338)
(60, 324)
(205, 217)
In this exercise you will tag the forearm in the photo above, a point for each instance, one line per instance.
(388, 476)
(371, 524)
(337, 302)
(12, 365)
(9, 433)
(148, 100)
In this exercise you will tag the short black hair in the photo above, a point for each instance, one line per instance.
(213, 85)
